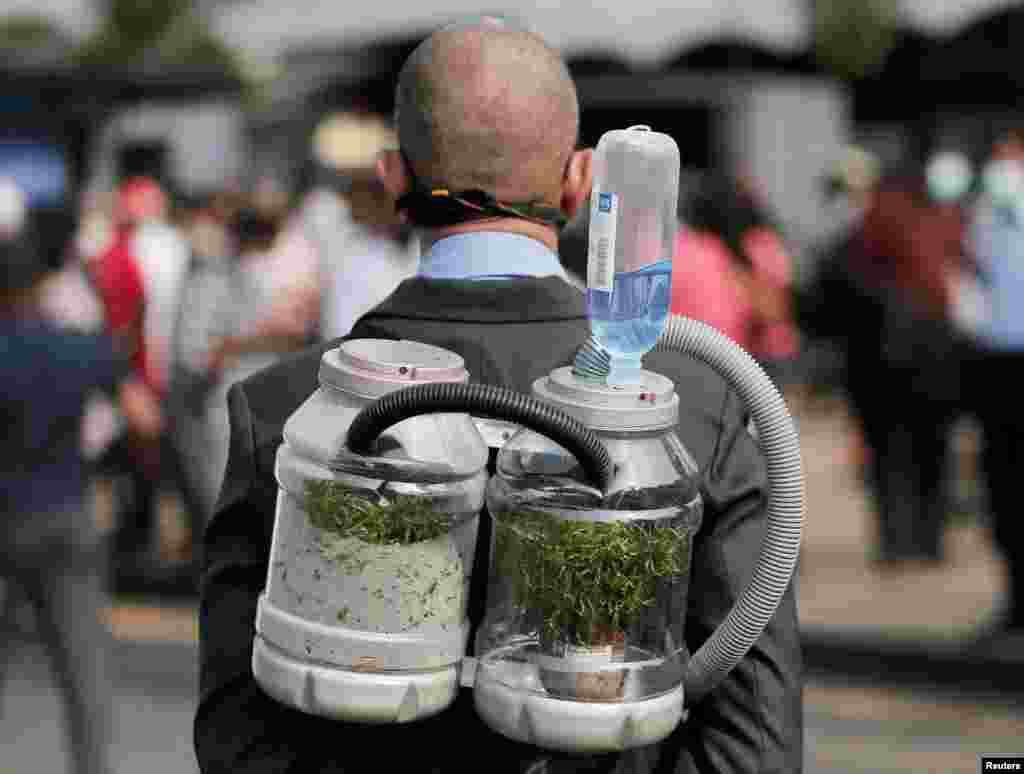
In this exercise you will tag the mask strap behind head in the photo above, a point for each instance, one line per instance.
(438, 207)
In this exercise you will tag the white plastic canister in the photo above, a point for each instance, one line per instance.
(365, 631)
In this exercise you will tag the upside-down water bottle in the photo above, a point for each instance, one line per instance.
(633, 226)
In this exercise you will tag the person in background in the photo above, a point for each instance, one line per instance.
(116, 275)
(206, 315)
(246, 301)
(69, 300)
(949, 179)
(882, 294)
(731, 271)
(48, 542)
(267, 316)
(996, 368)
(775, 336)
(923, 350)
(375, 251)
(836, 294)
(272, 314)
(291, 266)
(939, 242)
(162, 256)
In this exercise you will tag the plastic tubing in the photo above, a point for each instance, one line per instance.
(778, 439)
(484, 401)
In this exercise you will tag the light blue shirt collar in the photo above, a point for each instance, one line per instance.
(488, 255)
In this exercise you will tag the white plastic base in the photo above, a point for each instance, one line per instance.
(362, 697)
(575, 726)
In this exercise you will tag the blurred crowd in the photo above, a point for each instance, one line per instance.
(915, 291)
(919, 292)
(125, 322)
(195, 295)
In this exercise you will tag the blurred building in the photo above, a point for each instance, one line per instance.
(956, 90)
(739, 83)
(194, 140)
(315, 82)
(770, 116)
(65, 128)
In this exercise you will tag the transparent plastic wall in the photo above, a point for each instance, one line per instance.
(364, 615)
(587, 595)
(378, 573)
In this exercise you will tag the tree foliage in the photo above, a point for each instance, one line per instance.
(852, 38)
(156, 34)
(28, 37)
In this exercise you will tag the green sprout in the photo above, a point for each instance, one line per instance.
(401, 519)
(587, 579)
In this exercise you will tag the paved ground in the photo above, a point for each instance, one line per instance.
(885, 729)
(839, 588)
(155, 694)
(851, 729)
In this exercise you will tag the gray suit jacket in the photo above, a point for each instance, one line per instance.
(510, 333)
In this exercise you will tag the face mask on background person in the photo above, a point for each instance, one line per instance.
(948, 176)
(1003, 181)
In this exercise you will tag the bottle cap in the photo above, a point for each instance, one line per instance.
(649, 404)
(374, 367)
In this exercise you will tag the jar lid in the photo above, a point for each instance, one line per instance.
(370, 368)
(651, 404)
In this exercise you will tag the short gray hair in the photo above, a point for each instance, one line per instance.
(487, 105)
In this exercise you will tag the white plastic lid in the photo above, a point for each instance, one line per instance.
(650, 404)
(374, 367)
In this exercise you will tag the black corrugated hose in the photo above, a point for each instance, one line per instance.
(483, 400)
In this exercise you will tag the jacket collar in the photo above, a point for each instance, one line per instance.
(526, 299)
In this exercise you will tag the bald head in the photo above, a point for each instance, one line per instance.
(489, 107)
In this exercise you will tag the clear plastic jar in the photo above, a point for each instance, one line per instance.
(364, 613)
(582, 598)
(587, 592)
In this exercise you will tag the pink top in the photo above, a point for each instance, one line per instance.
(775, 340)
(704, 286)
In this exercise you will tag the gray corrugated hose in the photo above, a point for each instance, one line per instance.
(778, 439)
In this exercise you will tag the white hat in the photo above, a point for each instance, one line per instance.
(349, 142)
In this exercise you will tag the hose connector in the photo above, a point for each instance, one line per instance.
(592, 362)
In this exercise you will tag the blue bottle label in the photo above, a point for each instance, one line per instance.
(601, 247)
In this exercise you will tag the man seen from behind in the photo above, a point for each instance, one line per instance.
(489, 114)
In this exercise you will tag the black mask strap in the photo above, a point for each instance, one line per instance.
(438, 207)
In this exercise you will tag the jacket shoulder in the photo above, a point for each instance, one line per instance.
(708, 408)
(274, 393)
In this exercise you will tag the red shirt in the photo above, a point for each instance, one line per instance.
(118, 281)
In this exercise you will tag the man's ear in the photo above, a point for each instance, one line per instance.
(392, 172)
(577, 182)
